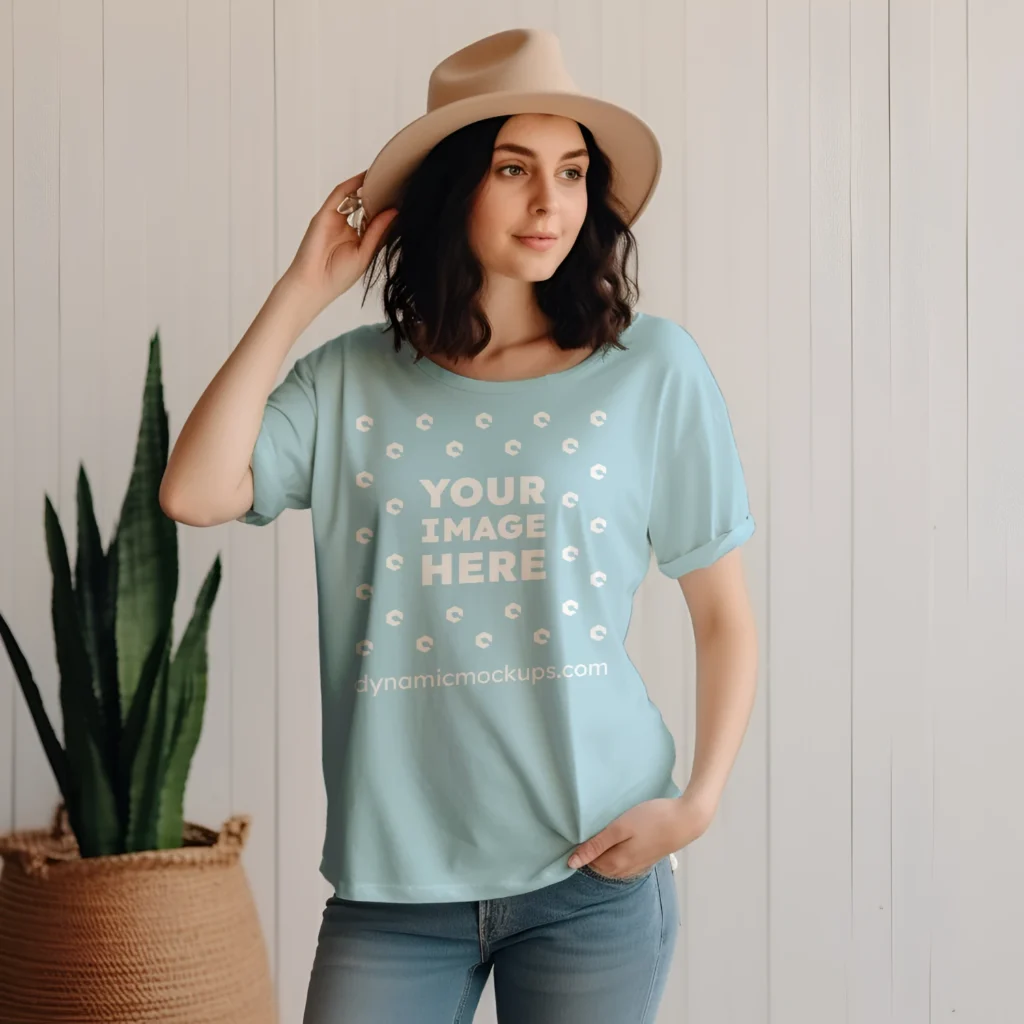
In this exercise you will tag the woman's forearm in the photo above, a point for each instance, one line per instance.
(726, 687)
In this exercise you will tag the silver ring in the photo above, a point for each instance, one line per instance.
(352, 209)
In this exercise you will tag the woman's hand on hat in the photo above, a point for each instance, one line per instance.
(332, 256)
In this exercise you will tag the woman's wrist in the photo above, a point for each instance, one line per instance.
(698, 803)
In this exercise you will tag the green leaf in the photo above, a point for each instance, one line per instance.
(131, 770)
(91, 584)
(108, 622)
(98, 817)
(147, 547)
(147, 769)
(188, 698)
(83, 726)
(54, 751)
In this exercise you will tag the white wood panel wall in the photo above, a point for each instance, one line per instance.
(839, 223)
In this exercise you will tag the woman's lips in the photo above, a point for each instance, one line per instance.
(541, 244)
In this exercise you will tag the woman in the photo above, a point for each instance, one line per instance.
(487, 471)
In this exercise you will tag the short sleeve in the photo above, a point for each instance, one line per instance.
(282, 458)
(699, 504)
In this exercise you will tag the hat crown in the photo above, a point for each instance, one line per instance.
(516, 60)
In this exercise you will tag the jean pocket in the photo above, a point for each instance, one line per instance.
(590, 872)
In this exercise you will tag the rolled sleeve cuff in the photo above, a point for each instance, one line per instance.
(261, 463)
(706, 554)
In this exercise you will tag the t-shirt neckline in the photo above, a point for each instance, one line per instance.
(523, 384)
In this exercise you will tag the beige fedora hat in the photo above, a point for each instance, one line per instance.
(518, 71)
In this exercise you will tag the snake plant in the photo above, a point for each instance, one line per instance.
(132, 714)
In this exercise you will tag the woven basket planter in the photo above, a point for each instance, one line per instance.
(159, 935)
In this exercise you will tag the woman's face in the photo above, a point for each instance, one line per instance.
(542, 191)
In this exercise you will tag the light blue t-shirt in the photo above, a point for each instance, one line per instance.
(478, 545)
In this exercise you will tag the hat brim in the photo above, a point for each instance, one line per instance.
(626, 139)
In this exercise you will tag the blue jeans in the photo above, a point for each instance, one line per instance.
(590, 949)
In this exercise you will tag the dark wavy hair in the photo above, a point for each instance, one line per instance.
(433, 278)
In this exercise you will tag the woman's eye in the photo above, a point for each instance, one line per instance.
(516, 167)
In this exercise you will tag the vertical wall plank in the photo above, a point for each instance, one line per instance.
(789, 511)
(911, 695)
(9, 691)
(82, 390)
(198, 307)
(980, 824)
(809, 468)
(876, 608)
(121, 351)
(249, 581)
(724, 222)
(959, 984)
(36, 378)
(302, 803)
(826, 684)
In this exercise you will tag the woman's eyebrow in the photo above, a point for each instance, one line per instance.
(523, 151)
